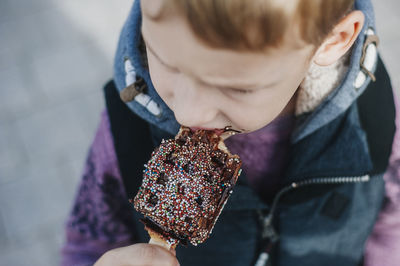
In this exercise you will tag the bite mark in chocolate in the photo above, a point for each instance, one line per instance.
(199, 200)
(162, 178)
(153, 200)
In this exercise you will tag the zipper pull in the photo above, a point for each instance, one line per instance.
(269, 238)
(269, 230)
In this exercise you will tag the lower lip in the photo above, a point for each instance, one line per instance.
(217, 131)
(201, 128)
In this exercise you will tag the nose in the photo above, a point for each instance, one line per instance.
(194, 105)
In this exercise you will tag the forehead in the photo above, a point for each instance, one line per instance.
(175, 43)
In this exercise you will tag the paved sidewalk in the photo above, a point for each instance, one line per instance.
(54, 58)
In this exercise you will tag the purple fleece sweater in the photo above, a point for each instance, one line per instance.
(100, 219)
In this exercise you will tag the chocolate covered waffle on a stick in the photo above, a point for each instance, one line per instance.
(186, 184)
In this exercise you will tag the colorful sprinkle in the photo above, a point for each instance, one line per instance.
(183, 184)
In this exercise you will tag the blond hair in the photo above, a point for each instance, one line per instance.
(257, 24)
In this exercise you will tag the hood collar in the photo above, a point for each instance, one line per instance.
(130, 69)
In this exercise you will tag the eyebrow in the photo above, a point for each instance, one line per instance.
(155, 54)
(236, 86)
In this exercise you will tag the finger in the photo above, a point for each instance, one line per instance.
(173, 251)
(145, 254)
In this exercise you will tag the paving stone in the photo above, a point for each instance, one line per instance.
(14, 171)
(25, 35)
(77, 165)
(42, 197)
(7, 56)
(96, 20)
(36, 249)
(40, 204)
(71, 182)
(14, 95)
(60, 72)
(3, 235)
(22, 8)
(10, 46)
(12, 153)
(7, 34)
(94, 102)
(4, 11)
(5, 116)
(53, 131)
(59, 31)
(36, 254)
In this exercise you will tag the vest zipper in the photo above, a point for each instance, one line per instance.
(269, 234)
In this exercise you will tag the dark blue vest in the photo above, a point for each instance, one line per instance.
(330, 195)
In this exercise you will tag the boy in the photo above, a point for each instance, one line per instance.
(295, 78)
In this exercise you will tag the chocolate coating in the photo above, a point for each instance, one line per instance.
(185, 185)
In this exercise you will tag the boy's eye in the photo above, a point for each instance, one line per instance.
(170, 68)
(239, 91)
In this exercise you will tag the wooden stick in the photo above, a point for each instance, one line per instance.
(156, 239)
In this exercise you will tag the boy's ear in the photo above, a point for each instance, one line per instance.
(340, 40)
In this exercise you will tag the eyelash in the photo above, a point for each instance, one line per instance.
(240, 91)
(171, 69)
(232, 90)
(237, 91)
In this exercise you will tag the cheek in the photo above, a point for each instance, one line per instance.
(261, 109)
(248, 116)
(251, 120)
(162, 80)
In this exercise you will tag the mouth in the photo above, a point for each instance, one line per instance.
(222, 132)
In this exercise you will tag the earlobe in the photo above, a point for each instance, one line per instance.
(342, 37)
